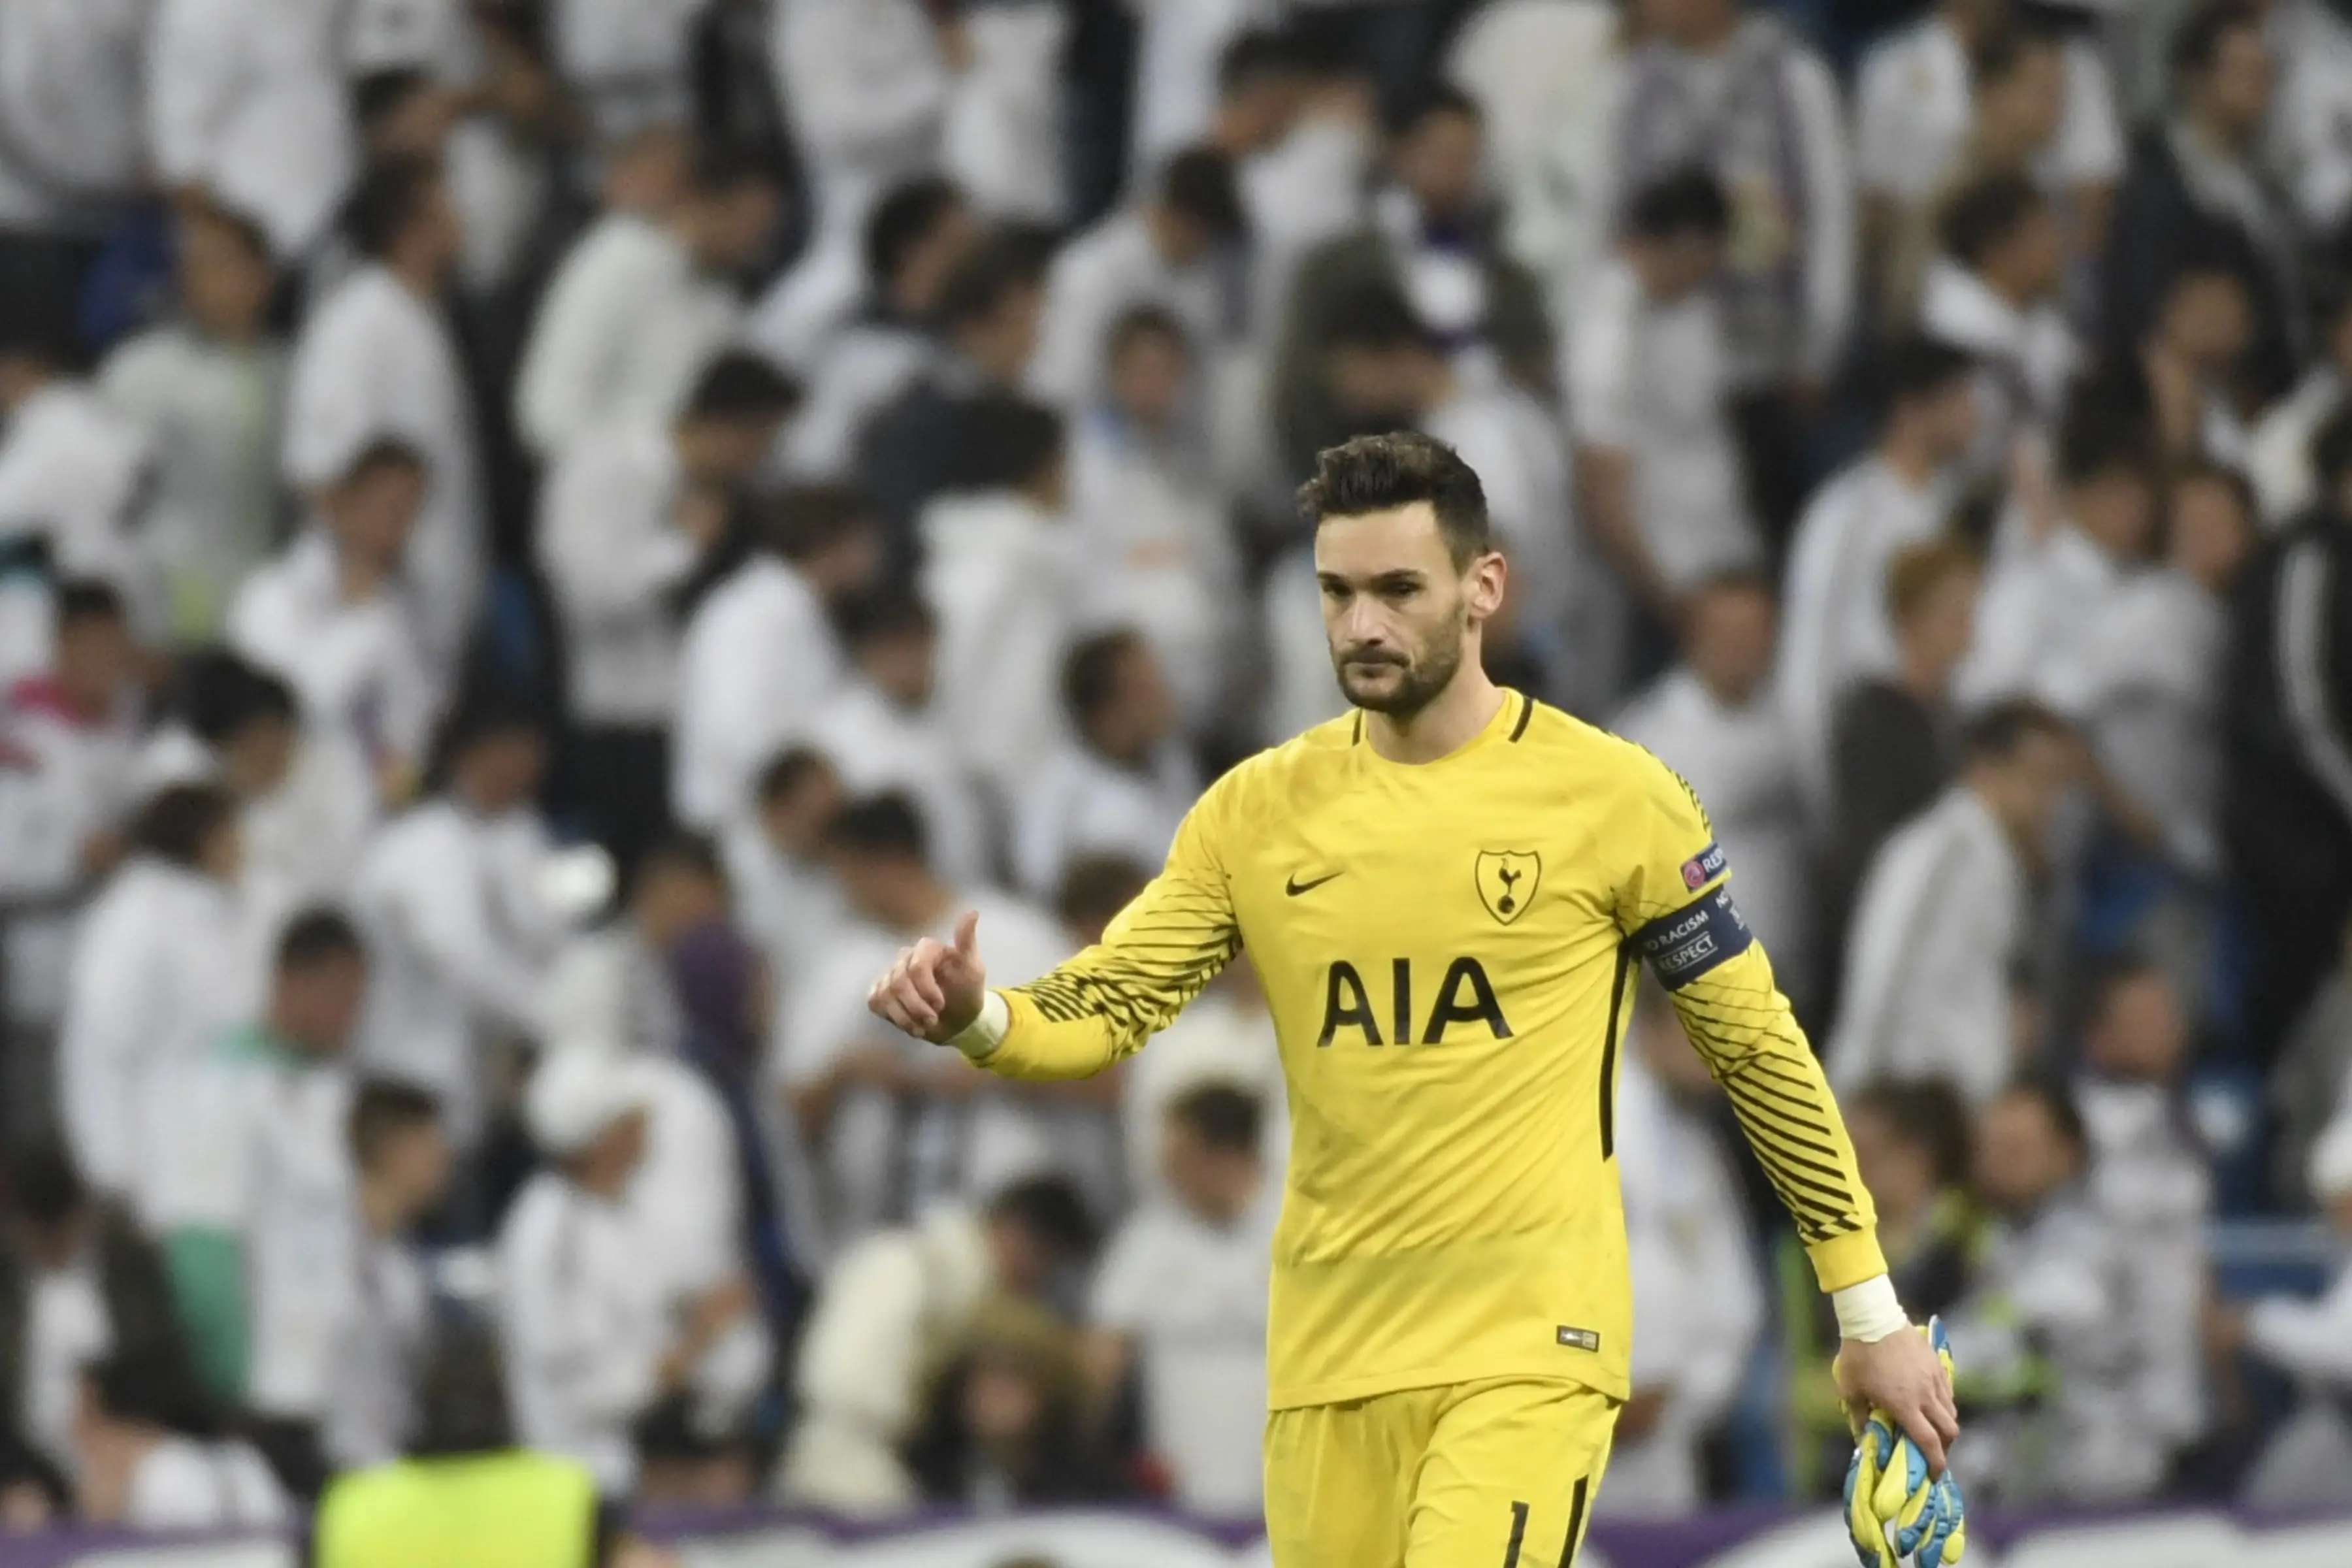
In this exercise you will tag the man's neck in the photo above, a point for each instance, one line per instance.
(1451, 720)
(1909, 457)
(2216, 136)
(382, 1210)
(356, 577)
(1923, 680)
(1711, 36)
(417, 276)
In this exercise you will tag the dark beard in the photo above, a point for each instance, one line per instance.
(1423, 678)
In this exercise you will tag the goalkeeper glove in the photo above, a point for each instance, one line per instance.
(1892, 1509)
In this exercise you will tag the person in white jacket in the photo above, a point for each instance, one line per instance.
(760, 657)
(450, 899)
(378, 359)
(1944, 913)
(630, 62)
(1002, 137)
(641, 305)
(164, 962)
(632, 512)
(1697, 1295)
(784, 896)
(337, 620)
(594, 1338)
(865, 83)
(208, 389)
(889, 1307)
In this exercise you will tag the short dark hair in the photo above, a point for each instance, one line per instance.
(1915, 368)
(1198, 185)
(44, 1186)
(2101, 434)
(1094, 887)
(490, 713)
(1376, 318)
(788, 770)
(382, 1109)
(1988, 215)
(1689, 200)
(1051, 1209)
(1224, 1116)
(218, 694)
(461, 1399)
(391, 197)
(999, 266)
(2113, 975)
(2331, 449)
(1997, 734)
(87, 599)
(378, 95)
(1377, 473)
(885, 614)
(1917, 571)
(151, 1387)
(679, 850)
(246, 229)
(1438, 99)
(176, 824)
(888, 826)
(720, 168)
(902, 220)
(1258, 55)
(2057, 1102)
(1928, 1112)
(808, 520)
(1998, 54)
(737, 384)
(2197, 41)
(1139, 321)
(317, 936)
(383, 454)
(1012, 440)
(1090, 671)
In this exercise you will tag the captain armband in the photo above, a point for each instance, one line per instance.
(1685, 944)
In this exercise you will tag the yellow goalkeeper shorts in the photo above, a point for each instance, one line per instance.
(1494, 1473)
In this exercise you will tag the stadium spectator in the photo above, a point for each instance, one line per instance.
(78, 1281)
(146, 1457)
(401, 1165)
(634, 513)
(1169, 250)
(885, 1302)
(2279, 455)
(1696, 1284)
(163, 962)
(1657, 459)
(75, 136)
(1713, 718)
(2188, 361)
(640, 307)
(337, 617)
(1180, 1302)
(1001, 138)
(1730, 87)
(760, 657)
(2195, 184)
(456, 923)
(784, 896)
(1943, 913)
(378, 358)
(1890, 755)
(1993, 294)
(208, 389)
(1431, 235)
(1833, 605)
(866, 84)
(1225, 1036)
(1127, 782)
(1006, 1418)
(895, 1128)
(610, 987)
(2287, 749)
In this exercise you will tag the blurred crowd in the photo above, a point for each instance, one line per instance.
(541, 539)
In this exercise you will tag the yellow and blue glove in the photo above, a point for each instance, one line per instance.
(1893, 1511)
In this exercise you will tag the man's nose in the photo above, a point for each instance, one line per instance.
(1365, 625)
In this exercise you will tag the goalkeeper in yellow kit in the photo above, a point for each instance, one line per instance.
(1445, 894)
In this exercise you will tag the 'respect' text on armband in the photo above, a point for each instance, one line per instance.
(1685, 944)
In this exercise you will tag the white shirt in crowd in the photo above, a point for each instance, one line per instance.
(72, 470)
(165, 962)
(457, 938)
(998, 574)
(250, 1139)
(66, 1329)
(1177, 47)
(248, 98)
(613, 553)
(1220, 1038)
(1100, 276)
(185, 1484)
(1915, 107)
(209, 411)
(790, 906)
(757, 662)
(2278, 455)
(375, 361)
(853, 373)
(630, 62)
(72, 146)
(879, 745)
(866, 86)
(2029, 356)
(1297, 193)
(1154, 531)
(1081, 803)
(1740, 762)
(629, 322)
(1696, 1294)
(2311, 43)
(1835, 628)
(885, 1158)
(363, 671)
(1001, 140)
(1651, 380)
(1939, 921)
(66, 779)
(378, 1357)
(2041, 599)
(1192, 1295)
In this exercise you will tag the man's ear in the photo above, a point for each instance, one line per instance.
(1485, 583)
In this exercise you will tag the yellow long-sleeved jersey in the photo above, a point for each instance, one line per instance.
(1447, 949)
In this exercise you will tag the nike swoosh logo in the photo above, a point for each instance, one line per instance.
(1295, 887)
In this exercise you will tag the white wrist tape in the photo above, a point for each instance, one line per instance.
(979, 1040)
(1868, 1311)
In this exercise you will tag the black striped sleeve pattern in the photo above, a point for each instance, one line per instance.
(1156, 957)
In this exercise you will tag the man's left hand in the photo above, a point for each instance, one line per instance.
(1902, 1377)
